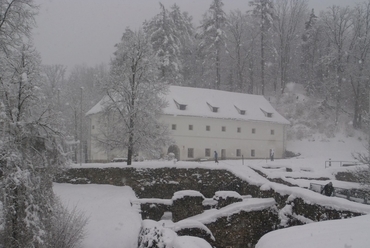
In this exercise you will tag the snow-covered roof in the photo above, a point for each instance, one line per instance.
(198, 102)
(227, 105)
(98, 107)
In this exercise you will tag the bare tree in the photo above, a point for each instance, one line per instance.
(337, 24)
(360, 60)
(237, 39)
(54, 76)
(288, 25)
(16, 22)
(134, 101)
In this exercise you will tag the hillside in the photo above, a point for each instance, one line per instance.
(313, 118)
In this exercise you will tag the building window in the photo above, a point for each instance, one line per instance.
(190, 152)
(253, 130)
(93, 127)
(223, 129)
(272, 131)
(180, 106)
(208, 128)
(238, 152)
(267, 114)
(208, 152)
(240, 111)
(190, 127)
(173, 126)
(212, 108)
(253, 153)
(239, 129)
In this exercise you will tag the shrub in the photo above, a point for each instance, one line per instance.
(67, 227)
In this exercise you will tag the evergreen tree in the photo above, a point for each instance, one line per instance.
(213, 42)
(163, 34)
(309, 47)
(263, 10)
(184, 30)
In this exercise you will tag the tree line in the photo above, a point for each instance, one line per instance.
(258, 51)
(261, 50)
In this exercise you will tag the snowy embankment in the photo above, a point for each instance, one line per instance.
(115, 223)
(347, 233)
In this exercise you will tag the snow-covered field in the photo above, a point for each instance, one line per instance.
(113, 222)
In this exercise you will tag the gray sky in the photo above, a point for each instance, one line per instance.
(74, 32)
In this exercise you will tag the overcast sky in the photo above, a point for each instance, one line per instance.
(74, 32)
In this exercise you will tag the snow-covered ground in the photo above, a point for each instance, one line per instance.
(113, 222)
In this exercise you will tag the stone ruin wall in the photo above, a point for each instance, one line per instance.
(239, 230)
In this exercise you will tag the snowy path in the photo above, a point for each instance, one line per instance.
(113, 222)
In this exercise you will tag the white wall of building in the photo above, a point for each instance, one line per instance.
(237, 135)
(225, 134)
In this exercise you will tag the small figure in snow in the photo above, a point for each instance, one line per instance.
(216, 155)
(272, 153)
(328, 189)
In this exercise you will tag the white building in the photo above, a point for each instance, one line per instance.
(202, 121)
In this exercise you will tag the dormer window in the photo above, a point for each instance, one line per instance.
(240, 111)
(212, 108)
(267, 114)
(180, 106)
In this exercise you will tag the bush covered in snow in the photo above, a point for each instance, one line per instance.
(155, 235)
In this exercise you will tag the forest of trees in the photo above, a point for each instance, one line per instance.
(255, 52)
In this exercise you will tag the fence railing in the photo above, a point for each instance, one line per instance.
(356, 195)
(329, 163)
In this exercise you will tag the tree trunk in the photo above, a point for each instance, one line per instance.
(251, 76)
(356, 116)
(130, 142)
(262, 62)
(130, 147)
(218, 76)
(339, 95)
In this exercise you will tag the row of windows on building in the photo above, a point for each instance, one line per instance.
(223, 129)
(208, 152)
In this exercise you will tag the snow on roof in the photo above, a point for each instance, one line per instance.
(247, 205)
(228, 105)
(98, 107)
(197, 100)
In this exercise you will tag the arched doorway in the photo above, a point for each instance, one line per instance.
(175, 150)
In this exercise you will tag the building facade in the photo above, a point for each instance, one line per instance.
(202, 121)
